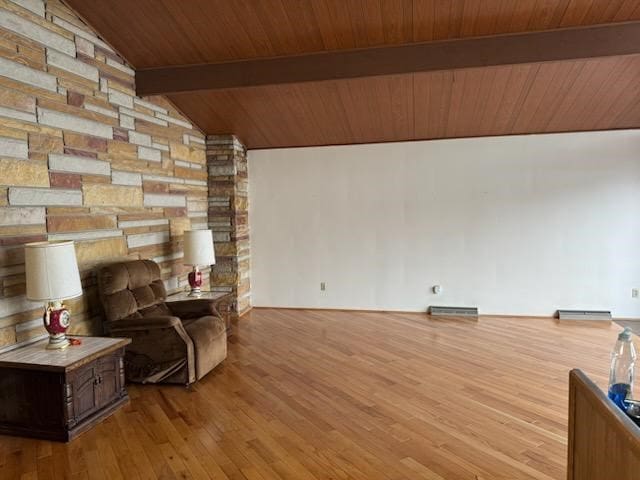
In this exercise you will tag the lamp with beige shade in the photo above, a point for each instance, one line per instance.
(52, 277)
(198, 250)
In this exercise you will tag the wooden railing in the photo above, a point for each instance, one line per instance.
(604, 444)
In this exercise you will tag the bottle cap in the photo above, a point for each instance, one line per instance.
(625, 334)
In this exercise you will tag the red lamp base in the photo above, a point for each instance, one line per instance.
(56, 320)
(195, 282)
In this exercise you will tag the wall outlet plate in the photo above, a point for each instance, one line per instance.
(323, 286)
(634, 293)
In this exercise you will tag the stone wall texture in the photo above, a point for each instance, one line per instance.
(82, 158)
(229, 218)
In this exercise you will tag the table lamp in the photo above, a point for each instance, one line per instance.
(198, 250)
(52, 276)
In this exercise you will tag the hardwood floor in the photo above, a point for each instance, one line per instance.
(342, 395)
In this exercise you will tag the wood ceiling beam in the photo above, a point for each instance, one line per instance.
(509, 49)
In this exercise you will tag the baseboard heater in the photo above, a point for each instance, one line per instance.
(454, 311)
(584, 315)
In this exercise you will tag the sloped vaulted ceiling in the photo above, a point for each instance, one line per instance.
(589, 93)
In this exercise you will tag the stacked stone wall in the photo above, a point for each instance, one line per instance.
(82, 158)
(229, 218)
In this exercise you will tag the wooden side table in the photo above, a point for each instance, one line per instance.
(222, 304)
(58, 394)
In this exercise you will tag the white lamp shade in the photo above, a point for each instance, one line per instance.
(52, 271)
(198, 248)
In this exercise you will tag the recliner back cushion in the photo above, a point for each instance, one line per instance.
(131, 289)
(119, 305)
(113, 278)
(157, 286)
(140, 274)
(144, 296)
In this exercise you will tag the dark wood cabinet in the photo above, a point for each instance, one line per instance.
(57, 395)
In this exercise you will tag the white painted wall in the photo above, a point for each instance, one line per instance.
(513, 225)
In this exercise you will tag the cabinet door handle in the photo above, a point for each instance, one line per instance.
(97, 380)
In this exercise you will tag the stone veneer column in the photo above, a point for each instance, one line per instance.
(229, 218)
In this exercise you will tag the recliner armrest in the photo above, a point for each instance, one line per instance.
(144, 323)
(192, 308)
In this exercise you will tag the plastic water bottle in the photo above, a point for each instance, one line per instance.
(623, 361)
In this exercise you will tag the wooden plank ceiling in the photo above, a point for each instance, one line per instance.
(574, 95)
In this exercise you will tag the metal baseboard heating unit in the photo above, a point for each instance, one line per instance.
(454, 311)
(601, 315)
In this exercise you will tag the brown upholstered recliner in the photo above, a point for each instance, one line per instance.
(176, 342)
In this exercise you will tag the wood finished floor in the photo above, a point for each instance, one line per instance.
(339, 395)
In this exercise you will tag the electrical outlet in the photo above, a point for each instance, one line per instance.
(634, 293)
(323, 286)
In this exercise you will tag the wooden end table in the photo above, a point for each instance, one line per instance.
(58, 394)
(222, 304)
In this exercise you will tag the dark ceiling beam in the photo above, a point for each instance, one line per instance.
(511, 49)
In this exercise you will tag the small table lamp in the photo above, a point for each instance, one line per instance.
(52, 277)
(198, 250)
